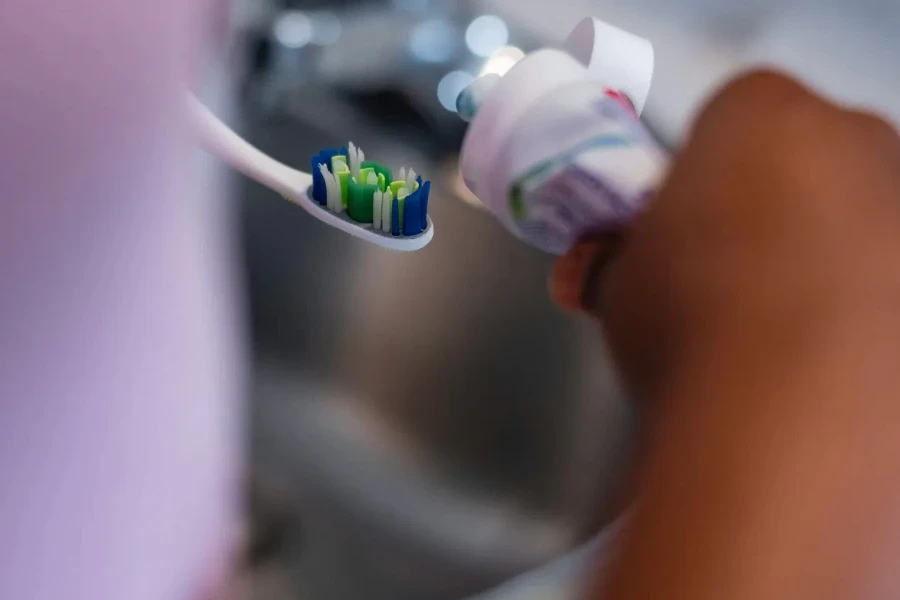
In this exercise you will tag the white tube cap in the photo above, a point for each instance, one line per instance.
(507, 99)
(619, 60)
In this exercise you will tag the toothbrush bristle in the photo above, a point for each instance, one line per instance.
(359, 155)
(371, 197)
(330, 185)
(359, 159)
(376, 209)
(387, 201)
(336, 195)
(353, 159)
(325, 173)
(395, 217)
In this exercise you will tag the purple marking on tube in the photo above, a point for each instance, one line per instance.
(599, 186)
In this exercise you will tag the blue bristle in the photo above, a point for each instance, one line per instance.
(395, 217)
(426, 193)
(412, 216)
(320, 192)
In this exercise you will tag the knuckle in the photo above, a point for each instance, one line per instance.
(874, 129)
(757, 103)
(762, 82)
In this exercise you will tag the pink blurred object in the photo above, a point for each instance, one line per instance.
(119, 355)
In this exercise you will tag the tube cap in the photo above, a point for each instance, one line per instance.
(619, 60)
(470, 99)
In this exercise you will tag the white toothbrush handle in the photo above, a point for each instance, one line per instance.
(219, 139)
(294, 185)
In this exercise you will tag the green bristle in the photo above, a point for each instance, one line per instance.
(339, 163)
(379, 168)
(382, 182)
(344, 179)
(396, 186)
(364, 174)
(360, 201)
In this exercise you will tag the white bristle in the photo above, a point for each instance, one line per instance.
(338, 199)
(386, 204)
(376, 209)
(362, 157)
(373, 179)
(402, 176)
(334, 195)
(329, 185)
(353, 160)
(323, 171)
(411, 180)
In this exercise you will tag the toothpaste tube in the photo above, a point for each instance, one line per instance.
(555, 148)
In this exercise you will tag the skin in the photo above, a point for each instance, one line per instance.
(754, 311)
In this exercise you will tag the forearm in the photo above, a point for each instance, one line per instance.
(771, 476)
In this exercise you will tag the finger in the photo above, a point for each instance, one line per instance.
(575, 276)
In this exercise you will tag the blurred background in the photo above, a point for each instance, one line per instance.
(426, 426)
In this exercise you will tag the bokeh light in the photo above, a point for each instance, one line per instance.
(293, 29)
(326, 28)
(502, 60)
(450, 87)
(486, 34)
(433, 41)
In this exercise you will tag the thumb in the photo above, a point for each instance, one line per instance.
(577, 276)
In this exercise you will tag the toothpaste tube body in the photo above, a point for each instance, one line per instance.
(556, 153)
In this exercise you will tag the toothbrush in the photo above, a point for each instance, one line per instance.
(385, 230)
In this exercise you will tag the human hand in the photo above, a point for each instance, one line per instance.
(778, 229)
(755, 310)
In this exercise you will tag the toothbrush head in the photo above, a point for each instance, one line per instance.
(363, 198)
